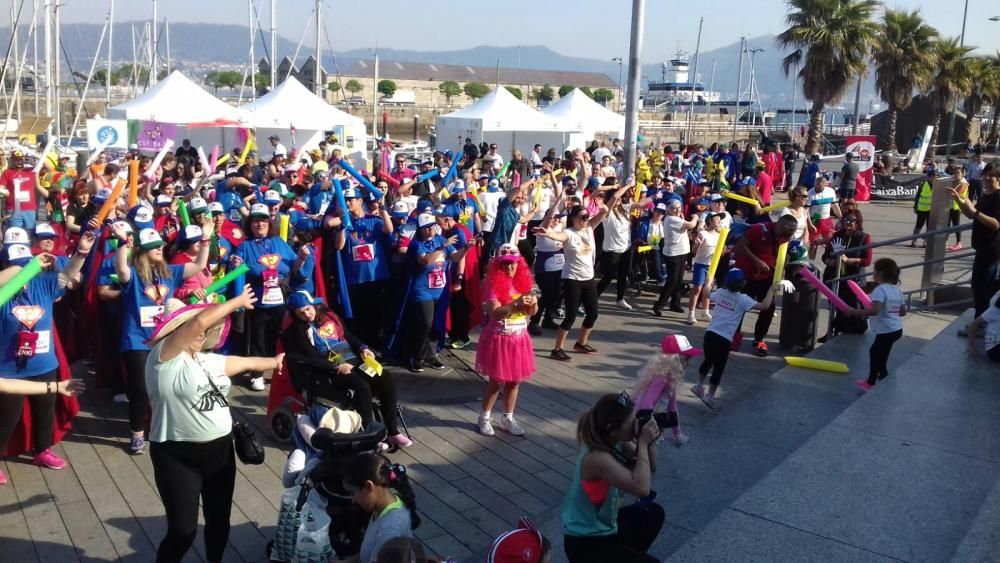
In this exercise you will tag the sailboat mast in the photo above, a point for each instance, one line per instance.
(47, 21)
(166, 30)
(253, 35)
(274, 45)
(154, 46)
(56, 47)
(317, 87)
(111, 29)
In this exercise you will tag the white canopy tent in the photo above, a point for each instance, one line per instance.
(500, 118)
(292, 105)
(587, 117)
(177, 99)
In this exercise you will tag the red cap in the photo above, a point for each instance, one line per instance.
(523, 545)
(679, 344)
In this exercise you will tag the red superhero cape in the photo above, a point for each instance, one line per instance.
(471, 288)
(281, 382)
(66, 408)
(319, 278)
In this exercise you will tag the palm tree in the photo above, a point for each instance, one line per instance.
(904, 62)
(950, 82)
(831, 40)
(994, 95)
(984, 76)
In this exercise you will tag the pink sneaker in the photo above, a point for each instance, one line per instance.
(401, 441)
(3, 478)
(863, 385)
(49, 459)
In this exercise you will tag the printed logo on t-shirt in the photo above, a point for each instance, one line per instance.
(236, 233)
(28, 315)
(157, 293)
(209, 398)
(328, 330)
(270, 261)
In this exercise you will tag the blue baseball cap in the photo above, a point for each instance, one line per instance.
(301, 299)
(735, 275)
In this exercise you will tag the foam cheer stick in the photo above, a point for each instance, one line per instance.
(779, 263)
(133, 183)
(246, 148)
(863, 297)
(167, 145)
(20, 279)
(222, 282)
(214, 161)
(43, 154)
(717, 254)
(222, 160)
(821, 201)
(503, 170)
(428, 175)
(182, 212)
(826, 291)
(775, 206)
(363, 180)
(338, 189)
(388, 179)
(452, 171)
(110, 203)
(283, 227)
(204, 161)
(741, 198)
(97, 152)
(812, 363)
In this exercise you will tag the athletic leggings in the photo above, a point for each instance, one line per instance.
(638, 526)
(758, 290)
(135, 388)
(672, 289)
(460, 309)
(42, 415)
(954, 216)
(364, 387)
(576, 292)
(368, 302)
(263, 330)
(716, 356)
(615, 265)
(922, 217)
(878, 355)
(419, 321)
(551, 285)
(185, 472)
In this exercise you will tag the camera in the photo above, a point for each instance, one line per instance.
(663, 419)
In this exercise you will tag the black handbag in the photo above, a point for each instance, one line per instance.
(245, 441)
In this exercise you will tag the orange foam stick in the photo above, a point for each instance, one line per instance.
(111, 202)
(133, 183)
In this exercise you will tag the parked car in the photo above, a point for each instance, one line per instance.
(356, 101)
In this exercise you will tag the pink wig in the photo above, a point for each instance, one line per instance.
(503, 287)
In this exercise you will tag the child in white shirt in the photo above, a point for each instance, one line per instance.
(885, 318)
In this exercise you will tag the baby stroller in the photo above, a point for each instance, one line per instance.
(326, 477)
(301, 383)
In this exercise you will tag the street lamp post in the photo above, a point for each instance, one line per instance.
(619, 61)
(954, 108)
(416, 127)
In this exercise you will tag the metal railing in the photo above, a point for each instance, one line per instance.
(908, 294)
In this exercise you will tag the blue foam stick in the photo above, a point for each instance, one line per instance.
(338, 188)
(822, 201)
(428, 175)
(452, 172)
(361, 179)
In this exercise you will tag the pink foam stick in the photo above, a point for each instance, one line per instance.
(213, 160)
(819, 285)
(860, 293)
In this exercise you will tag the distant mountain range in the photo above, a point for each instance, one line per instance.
(196, 46)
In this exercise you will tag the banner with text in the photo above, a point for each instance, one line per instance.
(901, 187)
(152, 135)
(863, 148)
(109, 133)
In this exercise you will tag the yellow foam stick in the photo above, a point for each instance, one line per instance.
(557, 173)
(742, 198)
(283, 227)
(646, 248)
(774, 206)
(246, 148)
(638, 192)
(482, 210)
(222, 160)
(821, 365)
(779, 263)
(717, 255)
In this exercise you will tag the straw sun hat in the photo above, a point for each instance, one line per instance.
(176, 313)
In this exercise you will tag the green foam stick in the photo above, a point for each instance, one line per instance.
(21, 279)
(503, 170)
(182, 211)
(222, 282)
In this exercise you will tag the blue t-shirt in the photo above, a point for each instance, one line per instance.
(428, 280)
(364, 251)
(231, 203)
(265, 256)
(303, 279)
(463, 208)
(319, 199)
(142, 303)
(35, 301)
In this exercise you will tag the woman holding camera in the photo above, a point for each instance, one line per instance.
(616, 456)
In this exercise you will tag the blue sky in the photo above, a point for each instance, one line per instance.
(587, 28)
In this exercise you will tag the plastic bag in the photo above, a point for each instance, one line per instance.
(287, 530)
(313, 542)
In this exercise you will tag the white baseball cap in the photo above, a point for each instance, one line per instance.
(425, 220)
(272, 197)
(216, 207)
(102, 194)
(15, 235)
(259, 210)
(164, 200)
(149, 239)
(192, 233)
(122, 225)
(197, 205)
(18, 252)
(400, 209)
(44, 230)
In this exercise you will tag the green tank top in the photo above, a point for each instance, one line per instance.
(580, 517)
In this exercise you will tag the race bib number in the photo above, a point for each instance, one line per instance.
(324, 207)
(435, 279)
(555, 263)
(26, 344)
(234, 215)
(149, 314)
(44, 342)
(272, 289)
(363, 253)
(514, 324)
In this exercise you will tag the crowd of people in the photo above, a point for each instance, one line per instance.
(348, 270)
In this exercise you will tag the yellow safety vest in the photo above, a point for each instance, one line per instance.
(963, 190)
(924, 202)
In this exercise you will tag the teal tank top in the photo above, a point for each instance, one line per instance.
(580, 517)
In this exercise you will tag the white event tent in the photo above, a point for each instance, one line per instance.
(587, 117)
(177, 99)
(500, 118)
(292, 105)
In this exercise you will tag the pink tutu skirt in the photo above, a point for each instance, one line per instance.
(509, 358)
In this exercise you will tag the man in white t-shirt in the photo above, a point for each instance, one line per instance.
(601, 152)
(676, 247)
(491, 201)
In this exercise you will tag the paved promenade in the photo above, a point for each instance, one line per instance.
(790, 459)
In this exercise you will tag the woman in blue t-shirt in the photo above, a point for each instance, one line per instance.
(426, 258)
(146, 285)
(27, 345)
(273, 267)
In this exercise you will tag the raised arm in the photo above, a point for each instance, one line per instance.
(121, 257)
(199, 265)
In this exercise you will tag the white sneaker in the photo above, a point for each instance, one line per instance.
(120, 398)
(257, 383)
(691, 320)
(485, 426)
(510, 425)
(706, 316)
(622, 304)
